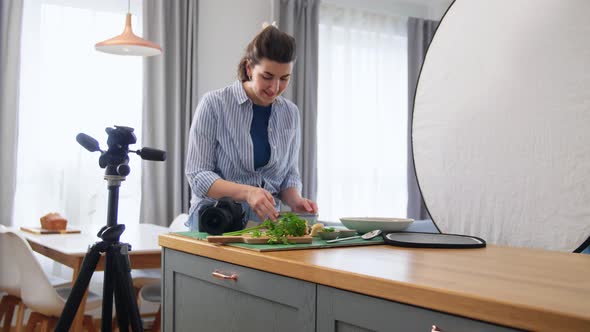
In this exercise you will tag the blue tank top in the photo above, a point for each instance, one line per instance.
(259, 134)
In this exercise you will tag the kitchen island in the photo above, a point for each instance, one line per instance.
(209, 287)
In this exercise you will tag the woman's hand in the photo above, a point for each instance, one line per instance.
(262, 203)
(291, 197)
(260, 200)
(304, 205)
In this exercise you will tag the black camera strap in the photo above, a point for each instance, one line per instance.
(433, 240)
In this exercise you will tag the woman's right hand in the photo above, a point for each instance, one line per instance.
(262, 203)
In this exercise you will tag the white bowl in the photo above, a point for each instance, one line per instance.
(367, 224)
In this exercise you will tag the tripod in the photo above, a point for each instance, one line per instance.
(117, 272)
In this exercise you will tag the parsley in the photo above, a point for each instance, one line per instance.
(289, 224)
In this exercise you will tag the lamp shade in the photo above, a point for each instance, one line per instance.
(128, 43)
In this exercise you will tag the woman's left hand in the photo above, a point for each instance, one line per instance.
(305, 205)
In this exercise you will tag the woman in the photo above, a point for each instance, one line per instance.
(244, 139)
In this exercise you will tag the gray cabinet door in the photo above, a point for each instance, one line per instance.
(345, 311)
(194, 300)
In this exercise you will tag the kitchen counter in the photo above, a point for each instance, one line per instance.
(515, 287)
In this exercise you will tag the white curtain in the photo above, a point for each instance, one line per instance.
(362, 114)
(10, 29)
(67, 87)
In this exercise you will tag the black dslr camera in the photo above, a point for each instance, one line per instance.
(225, 215)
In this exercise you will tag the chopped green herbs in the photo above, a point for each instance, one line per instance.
(288, 224)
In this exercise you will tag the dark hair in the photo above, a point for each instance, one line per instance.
(272, 44)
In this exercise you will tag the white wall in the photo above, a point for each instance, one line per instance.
(225, 29)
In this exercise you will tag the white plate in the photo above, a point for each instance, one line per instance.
(367, 224)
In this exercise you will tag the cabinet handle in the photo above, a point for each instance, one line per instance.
(220, 275)
(435, 329)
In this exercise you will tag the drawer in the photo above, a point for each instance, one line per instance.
(195, 299)
(344, 311)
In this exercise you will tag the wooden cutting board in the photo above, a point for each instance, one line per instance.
(254, 240)
(39, 230)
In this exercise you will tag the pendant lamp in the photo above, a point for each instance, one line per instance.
(128, 43)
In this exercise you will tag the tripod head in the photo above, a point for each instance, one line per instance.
(115, 160)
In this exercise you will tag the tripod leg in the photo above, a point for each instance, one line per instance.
(127, 309)
(71, 307)
(121, 303)
(107, 291)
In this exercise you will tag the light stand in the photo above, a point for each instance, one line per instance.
(117, 273)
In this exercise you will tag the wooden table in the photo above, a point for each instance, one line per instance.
(517, 287)
(69, 250)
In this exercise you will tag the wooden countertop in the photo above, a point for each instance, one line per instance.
(523, 288)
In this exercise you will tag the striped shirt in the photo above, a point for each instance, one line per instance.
(220, 145)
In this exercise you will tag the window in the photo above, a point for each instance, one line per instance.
(362, 114)
(67, 87)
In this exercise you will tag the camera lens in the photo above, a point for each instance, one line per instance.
(215, 221)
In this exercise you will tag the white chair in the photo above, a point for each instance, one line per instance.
(149, 276)
(9, 284)
(153, 293)
(178, 224)
(149, 288)
(37, 293)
